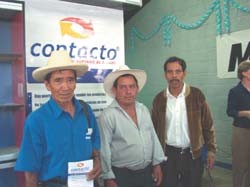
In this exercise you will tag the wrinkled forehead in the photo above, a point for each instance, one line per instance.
(124, 76)
(173, 65)
(60, 72)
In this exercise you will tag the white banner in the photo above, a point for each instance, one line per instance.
(134, 2)
(92, 35)
(232, 49)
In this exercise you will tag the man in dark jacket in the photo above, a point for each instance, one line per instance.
(183, 123)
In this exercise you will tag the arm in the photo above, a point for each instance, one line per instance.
(96, 171)
(31, 179)
(157, 174)
(232, 106)
(95, 137)
(106, 132)
(209, 135)
(110, 183)
(158, 117)
(238, 106)
(158, 154)
(158, 157)
(210, 160)
(244, 113)
(31, 151)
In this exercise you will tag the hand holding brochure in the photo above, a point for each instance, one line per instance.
(77, 174)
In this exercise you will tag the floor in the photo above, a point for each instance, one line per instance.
(220, 177)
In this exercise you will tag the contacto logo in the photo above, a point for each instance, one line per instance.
(76, 28)
(84, 52)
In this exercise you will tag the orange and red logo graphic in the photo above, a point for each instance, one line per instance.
(80, 165)
(76, 27)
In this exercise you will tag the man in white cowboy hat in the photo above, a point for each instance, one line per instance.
(58, 132)
(130, 150)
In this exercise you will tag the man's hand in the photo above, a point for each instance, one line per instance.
(96, 171)
(110, 183)
(31, 179)
(244, 113)
(157, 174)
(210, 160)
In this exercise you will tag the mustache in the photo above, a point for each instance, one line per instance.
(174, 80)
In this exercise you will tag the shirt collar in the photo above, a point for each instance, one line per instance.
(57, 110)
(115, 104)
(243, 87)
(180, 95)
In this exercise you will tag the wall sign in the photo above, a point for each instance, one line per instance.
(92, 35)
(232, 49)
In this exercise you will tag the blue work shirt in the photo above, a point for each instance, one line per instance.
(52, 138)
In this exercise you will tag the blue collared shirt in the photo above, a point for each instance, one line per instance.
(52, 138)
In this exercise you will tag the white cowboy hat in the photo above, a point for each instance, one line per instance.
(140, 75)
(58, 60)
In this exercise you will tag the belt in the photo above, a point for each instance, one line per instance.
(133, 171)
(178, 149)
(55, 180)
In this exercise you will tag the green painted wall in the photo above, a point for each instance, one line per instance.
(197, 47)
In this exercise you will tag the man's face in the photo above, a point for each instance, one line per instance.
(62, 85)
(126, 90)
(174, 75)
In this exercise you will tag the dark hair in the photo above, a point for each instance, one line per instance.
(48, 76)
(175, 59)
(243, 67)
(124, 75)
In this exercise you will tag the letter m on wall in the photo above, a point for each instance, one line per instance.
(236, 55)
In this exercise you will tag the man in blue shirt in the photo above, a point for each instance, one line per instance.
(58, 132)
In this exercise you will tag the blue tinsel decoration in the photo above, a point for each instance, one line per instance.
(167, 21)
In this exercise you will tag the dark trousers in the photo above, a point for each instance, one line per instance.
(180, 170)
(56, 182)
(131, 178)
(51, 184)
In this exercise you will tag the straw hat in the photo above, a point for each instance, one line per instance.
(58, 60)
(110, 79)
